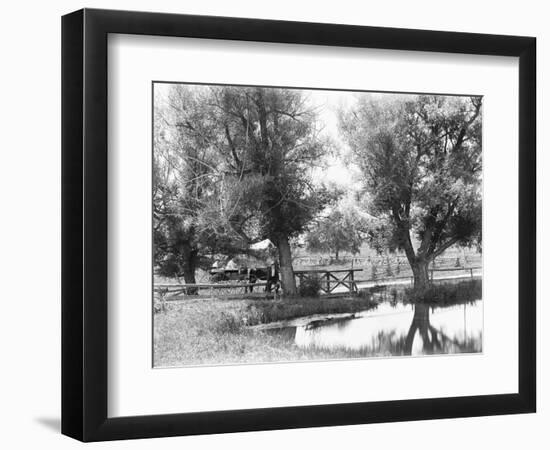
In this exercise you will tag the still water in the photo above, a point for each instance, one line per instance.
(396, 330)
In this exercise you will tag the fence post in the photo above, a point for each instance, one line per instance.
(328, 283)
(471, 273)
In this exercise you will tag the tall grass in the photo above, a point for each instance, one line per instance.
(228, 323)
(215, 332)
(448, 293)
(261, 312)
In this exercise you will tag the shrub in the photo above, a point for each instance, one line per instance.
(310, 286)
(365, 294)
(228, 324)
(159, 301)
(455, 293)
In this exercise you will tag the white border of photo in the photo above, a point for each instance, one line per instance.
(136, 388)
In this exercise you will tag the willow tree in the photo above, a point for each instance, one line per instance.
(190, 218)
(420, 159)
(272, 145)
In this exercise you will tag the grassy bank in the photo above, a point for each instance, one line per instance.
(266, 311)
(219, 331)
(450, 293)
(216, 332)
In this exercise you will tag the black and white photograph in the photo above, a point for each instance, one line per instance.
(296, 224)
(275, 225)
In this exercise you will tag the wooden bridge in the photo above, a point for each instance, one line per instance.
(331, 279)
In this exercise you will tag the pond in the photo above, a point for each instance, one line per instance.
(396, 330)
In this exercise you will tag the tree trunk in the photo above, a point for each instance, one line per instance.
(288, 281)
(420, 323)
(420, 272)
(419, 264)
(189, 267)
(336, 254)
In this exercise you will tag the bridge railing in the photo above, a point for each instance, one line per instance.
(331, 278)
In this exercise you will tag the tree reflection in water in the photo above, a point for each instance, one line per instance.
(391, 332)
(433, 340)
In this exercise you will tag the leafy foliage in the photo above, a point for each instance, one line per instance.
(233, 166)
(310, 286)
(343, 229)
(191, 216)
(420, 157)
(273, 144)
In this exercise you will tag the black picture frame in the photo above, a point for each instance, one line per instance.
(84, 224)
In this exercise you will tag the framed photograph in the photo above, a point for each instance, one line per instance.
(273, 224)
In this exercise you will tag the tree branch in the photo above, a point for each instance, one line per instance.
(444, 247)
(403, 228)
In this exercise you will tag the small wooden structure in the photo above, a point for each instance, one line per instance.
(331, 278)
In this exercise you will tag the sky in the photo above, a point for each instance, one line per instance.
(340, 170)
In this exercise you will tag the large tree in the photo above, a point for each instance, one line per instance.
(192, 212)
(234, 165)
(272, 145)
(420, 158)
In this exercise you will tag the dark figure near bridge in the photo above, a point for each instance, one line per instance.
(273, 280)
(250, 276)
(270, 274)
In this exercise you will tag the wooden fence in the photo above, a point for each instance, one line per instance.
(228, 290)
(468, 273)
(381, 261)
(330, 281)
